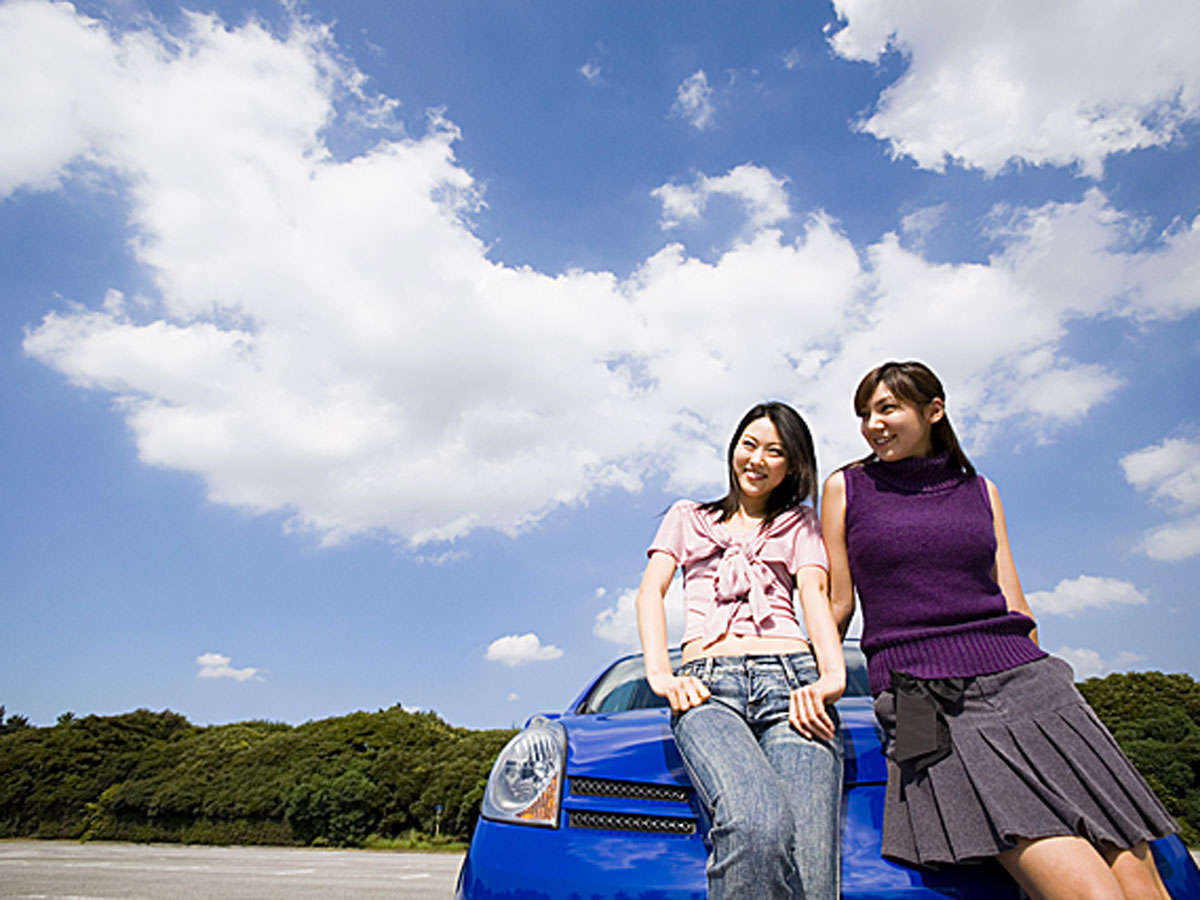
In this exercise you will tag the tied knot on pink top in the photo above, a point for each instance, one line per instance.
(739, 582)
(740, 578)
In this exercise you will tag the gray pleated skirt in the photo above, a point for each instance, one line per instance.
(1029, 760)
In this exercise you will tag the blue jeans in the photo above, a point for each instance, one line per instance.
(773, 796)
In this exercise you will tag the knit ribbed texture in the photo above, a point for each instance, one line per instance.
(922, 544)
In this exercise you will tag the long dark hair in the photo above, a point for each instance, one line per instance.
(915, 382)
(798, 485)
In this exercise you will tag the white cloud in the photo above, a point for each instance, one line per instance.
(441, 559)
(1073, 595)
(792, 59)
(590, 70)
(618, 623)
(1170, 472)
(65, 73)
(329, 339)
(214, 665)
(1174, 541)
(1089, 664)
(1067, 83)
(918, 224)
(762, 194)
(520, 649)
(693, 101)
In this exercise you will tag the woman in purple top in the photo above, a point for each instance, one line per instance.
(992, 752)
(749, 704)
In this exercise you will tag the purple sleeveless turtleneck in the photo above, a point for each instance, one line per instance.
(922, 545)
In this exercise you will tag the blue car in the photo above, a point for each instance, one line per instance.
(594, 804)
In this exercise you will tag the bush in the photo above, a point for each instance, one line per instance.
(153, 776)
(341, 810)
(415, 840)
(1156, 720)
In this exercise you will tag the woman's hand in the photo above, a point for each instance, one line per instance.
(807, 711)
(681, 692)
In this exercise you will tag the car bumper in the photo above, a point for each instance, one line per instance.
(519, 861)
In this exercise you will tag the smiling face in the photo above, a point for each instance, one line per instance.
(759, 463)
(898, 429)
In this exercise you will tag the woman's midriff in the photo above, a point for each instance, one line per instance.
(743, 645)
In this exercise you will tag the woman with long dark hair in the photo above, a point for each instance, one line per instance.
(751, 702)
(992, 752)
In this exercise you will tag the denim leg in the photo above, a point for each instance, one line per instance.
(753, 826)
(811, 773)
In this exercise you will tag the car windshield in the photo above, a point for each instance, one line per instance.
(623, 687)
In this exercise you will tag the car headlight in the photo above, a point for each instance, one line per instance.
(527, 780)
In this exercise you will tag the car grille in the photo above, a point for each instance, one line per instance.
(631, 822)
(630, 790)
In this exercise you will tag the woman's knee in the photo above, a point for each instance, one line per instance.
(760, 818)
(1136, 872)
(1061, 868)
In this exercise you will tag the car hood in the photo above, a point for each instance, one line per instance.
(637, 745)
(865, 763)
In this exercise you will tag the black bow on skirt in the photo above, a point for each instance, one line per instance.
(922, 735)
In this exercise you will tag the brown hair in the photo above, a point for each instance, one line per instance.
(914, 382)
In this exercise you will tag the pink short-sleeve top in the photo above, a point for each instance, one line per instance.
(739, 583)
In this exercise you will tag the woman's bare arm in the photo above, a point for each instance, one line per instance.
(833, 529)
(807, 711)
(1005, 570)
(681, 693)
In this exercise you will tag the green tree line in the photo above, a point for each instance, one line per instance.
(148, 776)
(1156, 720)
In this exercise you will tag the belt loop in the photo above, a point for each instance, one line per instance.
(789, 671)
(708, 667)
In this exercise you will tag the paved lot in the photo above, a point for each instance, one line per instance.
(65, 869)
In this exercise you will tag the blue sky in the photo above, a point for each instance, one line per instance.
(351, 351)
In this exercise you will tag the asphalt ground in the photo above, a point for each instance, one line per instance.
(66, 870)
